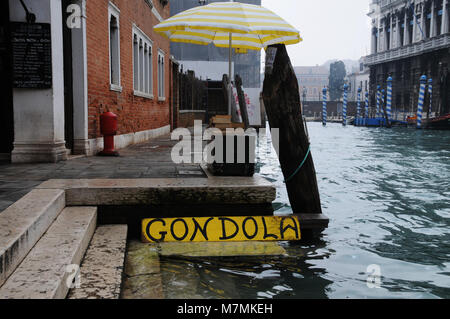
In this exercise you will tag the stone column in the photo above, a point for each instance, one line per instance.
(414, 27)
(386, 35)
(433, 21)
(391, 34)
(374, 41)
(379, 36)
(444, 17)
(39, 113)
(422, 22)
(398, 30)
(406, 30)
(80, 91)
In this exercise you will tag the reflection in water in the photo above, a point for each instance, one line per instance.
(243, 277)
(387, 193)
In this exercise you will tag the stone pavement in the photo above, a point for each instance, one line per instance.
(146, 160)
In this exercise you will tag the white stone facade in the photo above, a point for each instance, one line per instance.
(404, 28)
(358, 80)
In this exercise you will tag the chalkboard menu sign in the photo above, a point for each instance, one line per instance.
(32, 56)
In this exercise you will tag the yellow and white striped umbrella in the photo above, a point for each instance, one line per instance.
(251, 27)
(229, 25)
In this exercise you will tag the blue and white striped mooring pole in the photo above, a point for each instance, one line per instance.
(389, 99)
(430, 92)
(378, 101)
(344, 107)
(423, 84)
(358, 107)
(324, 107)
(366, 116)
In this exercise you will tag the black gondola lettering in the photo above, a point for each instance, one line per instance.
(202, 230)
(284, 229)
(245, 230)
(224, 235)
(172, 226)
(266, 235)
(163, 233)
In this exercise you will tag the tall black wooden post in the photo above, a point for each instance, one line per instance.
(282, 102)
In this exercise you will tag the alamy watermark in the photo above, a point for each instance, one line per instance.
(374, 279)
(240, 145)
(73, 21)
(73, 279)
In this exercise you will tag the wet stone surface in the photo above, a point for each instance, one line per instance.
(142, 272)
(186, 271)
(221, 249)
(151, 159)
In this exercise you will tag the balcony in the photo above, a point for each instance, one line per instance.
(385, 3)
(410, 50)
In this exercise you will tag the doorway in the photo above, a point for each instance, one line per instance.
(6, 109)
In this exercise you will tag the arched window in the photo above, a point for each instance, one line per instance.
(114, 47)
(161, 77)
(141, 63)
(136, 62)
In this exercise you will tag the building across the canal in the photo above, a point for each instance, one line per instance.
(411, 38)
(311, 81)
(356, 80)
(63, 63)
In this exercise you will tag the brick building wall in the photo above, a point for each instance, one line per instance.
(135, 113)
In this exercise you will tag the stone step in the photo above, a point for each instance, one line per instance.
(102, 267)
(44, 272)
(23, 223)
(157, 191)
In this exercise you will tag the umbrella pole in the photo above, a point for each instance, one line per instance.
(230, 88)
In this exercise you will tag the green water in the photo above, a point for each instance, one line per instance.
(387, 194)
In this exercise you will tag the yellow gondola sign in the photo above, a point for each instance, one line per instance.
(221, 229)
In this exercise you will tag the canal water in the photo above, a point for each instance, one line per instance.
(387, 194)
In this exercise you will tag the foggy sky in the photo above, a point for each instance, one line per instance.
(331, 29)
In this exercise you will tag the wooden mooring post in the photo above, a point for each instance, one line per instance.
(226, 92)
(282, 102)
(242, 102)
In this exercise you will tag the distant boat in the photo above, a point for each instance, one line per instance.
(376, 122)
(434, 123)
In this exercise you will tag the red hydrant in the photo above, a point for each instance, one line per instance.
(108, 127)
